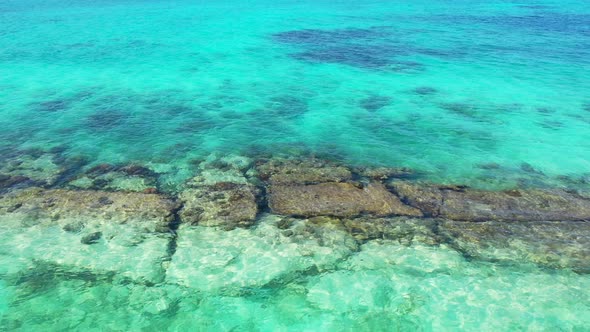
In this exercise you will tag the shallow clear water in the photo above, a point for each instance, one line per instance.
(485, 93)
(259, 280)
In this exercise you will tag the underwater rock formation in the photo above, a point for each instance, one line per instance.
(58, 206)
(220, 196)
(460, 203)
(116, 178)
(211, 259)
(550, 244)
(39, 168)
(126, 233)
(305, 171)
(11, 181)
(546, 243)
(226, 162)
(402, 229)
(313, 187)
(336, 199)
(384, 173)
(224, 204)
(375, 103)
(327, 209)
(425, 90)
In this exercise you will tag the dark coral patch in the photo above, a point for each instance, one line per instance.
(379, 47)
(370, 48)
(359, 55)
(8, 181)
(287, 106)
(545, 110)
(489, 166)
(91, 238)
(101, 169)
(464, 109)
(528, 168)
(138, 170)
(551, 124)
(375, 103)
(425, 91)
(106, 119)
(322, 37)
(52, 106)
(61, 104)
(363, 56)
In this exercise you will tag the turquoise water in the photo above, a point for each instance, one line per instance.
(492, 94)
(441, 87)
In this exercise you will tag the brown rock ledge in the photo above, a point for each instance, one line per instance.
(103, 232)
(336, 199)
(223, 204)
(36, 205)
(460, 203)
(219, 196)
(306, 171)
(546, 243)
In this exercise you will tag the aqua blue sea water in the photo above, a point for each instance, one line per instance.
(439, 86)
(488, 93)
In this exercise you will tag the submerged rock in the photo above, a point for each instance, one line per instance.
(224, 204)
(402, 229)
(226, 162)
(336, 199)
(425, 90)
(60, 206)
(211, 259)
(9, 181)
(125, 233)
(110, 177)
(315, 187)
(305, 171)
(460, 203)
(38, 168)
(91, 238)
(551, 244)
(384, 173)
(219, 197)
(375, 103)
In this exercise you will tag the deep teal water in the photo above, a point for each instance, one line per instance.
(485, 93)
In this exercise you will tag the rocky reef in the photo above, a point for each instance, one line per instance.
(274, 250)
(223, 204)
(282, 171)
(317, 188)
(240, 223)
(337, 199)
(110, 177)
(59, 206)
(546, 243)
(461, 203)
(125, 233)
(22, 169)
(221, 195)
